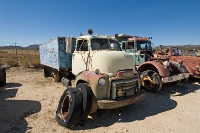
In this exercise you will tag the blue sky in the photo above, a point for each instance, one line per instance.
(169, 22)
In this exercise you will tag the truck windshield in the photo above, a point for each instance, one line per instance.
(144, 45)
(105, 44)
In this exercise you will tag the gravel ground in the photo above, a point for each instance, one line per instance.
(29, 101)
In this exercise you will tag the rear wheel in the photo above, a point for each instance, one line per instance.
(151, 81)
(69, 107)
(56, 76)
(47, 71)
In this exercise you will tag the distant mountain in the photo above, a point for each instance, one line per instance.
(34, 46)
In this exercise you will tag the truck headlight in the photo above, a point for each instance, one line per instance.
(166, 63)
(102, 81)
(197, 67)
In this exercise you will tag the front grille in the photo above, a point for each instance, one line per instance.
(123, 87)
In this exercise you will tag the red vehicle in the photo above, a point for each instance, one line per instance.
(192, 63)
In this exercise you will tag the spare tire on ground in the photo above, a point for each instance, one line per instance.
(69, 107)
(87, 100)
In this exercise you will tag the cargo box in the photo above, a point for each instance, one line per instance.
(57, 53)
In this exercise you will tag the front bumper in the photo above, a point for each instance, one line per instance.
(120, 102)
(197, 76)
(175, 78)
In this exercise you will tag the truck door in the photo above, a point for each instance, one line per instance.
(80, 57)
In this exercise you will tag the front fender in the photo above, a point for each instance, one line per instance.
(90, 77)
(154, 66)
(190, 70)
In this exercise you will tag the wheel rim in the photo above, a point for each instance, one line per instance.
(65, 107)
(147, 82)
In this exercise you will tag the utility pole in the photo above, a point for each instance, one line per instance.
(16, 54)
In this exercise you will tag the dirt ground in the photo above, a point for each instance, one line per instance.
(29, 101)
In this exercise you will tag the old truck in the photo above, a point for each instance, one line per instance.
(192, 63)
(95, 66)
(154, 71)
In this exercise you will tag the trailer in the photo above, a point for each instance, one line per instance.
(56, 57)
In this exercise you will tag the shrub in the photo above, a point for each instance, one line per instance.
(12, 61)
(30, 61)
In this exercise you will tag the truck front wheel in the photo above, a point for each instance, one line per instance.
(151, 81)
(87, 100)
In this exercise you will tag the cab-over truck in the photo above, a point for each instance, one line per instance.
(154, 71)
(95, 66)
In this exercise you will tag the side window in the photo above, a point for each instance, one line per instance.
(123, 45)
(82, 45)
(179, 52)
(130, 45)
(173, 51)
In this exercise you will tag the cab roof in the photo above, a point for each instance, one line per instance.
(95, 36)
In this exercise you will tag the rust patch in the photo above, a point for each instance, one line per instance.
(125, 74)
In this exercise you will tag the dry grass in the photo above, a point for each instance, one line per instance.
(25, 58)
(11, 61)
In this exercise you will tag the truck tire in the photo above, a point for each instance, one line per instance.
(47, 71)
(94, 105)
(151, 81)
(87, 100)
(69, 107)
(56, 76)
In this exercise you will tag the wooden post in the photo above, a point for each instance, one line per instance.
(16, 54)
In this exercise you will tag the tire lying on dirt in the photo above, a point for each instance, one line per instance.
(87, 100)
(69, 107)
(151, 81)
